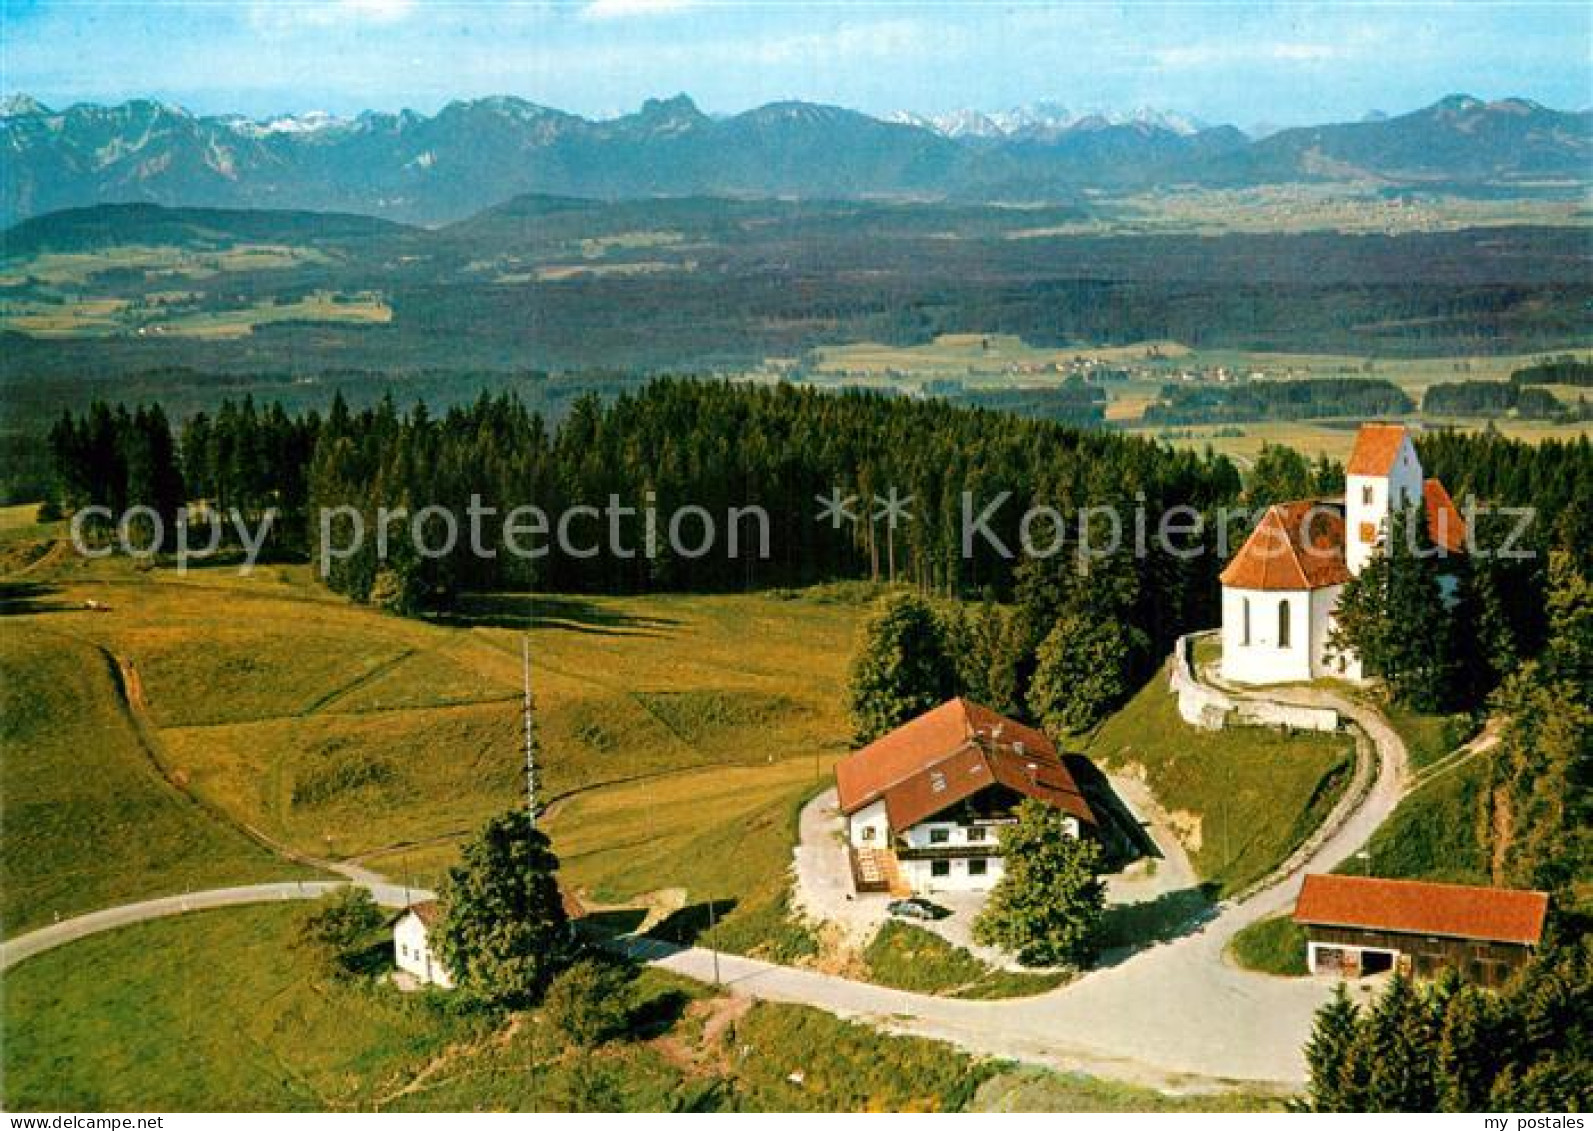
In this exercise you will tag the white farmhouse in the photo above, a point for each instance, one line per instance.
(925, 804)
(412, 944)
(1280, 591)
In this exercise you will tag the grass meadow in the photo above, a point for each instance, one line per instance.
(89, 821)
(675, 756)
(1241, 798)
(1272, 946)
(220, 1011)
(992, 361)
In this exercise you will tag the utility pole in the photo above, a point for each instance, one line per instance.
(713, 938)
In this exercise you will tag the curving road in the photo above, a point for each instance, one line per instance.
(15, 950)
(1176, 1016)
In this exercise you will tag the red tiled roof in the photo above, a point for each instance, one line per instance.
(932, 762)
(1298, 545)
(1444, 524)
(428, 911)
(1417, 908)
(918, 743)
(1376, 446)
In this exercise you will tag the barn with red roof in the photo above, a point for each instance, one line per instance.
(1357, 925)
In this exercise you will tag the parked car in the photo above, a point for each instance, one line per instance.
(915, 908)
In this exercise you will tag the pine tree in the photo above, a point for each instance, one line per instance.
(1394, 617)
(1279, 474)
(1568, 656)
(1399, 1046)
(1330, 1054)
(1468, 1050)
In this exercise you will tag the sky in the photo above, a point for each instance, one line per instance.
(1245, 63)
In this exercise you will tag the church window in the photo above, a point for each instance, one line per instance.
(1283, 624)
(1366, 494)
(1244, 620)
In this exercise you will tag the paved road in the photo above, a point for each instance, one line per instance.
(81, 926)
(1174, 1016)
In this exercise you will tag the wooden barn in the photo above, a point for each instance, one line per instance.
(1356, 926)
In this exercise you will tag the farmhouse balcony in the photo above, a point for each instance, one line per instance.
(979, 850)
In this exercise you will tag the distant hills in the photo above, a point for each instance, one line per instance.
(473, 154)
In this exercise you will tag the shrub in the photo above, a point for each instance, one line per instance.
(590, 1002)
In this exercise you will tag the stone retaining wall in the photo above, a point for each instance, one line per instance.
(1204, 706)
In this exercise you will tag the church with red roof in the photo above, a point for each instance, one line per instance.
(1281, 589)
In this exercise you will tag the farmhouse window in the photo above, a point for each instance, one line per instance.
(978, 867)
(976, 834)
(939, 836)
(940, 867)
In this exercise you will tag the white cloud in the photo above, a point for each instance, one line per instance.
(383, 11)
(1196, 55)
(624, 9)
(287, 17)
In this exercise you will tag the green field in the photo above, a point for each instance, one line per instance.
(1272, 946)
(79, 268)
(1242, 798)
(1428, 738)
(911, 958)
(89, 821)
(1434, 833)
(100, 316)
(346, 733)
(219, 1011)
(983, 362)
(1036, 1090)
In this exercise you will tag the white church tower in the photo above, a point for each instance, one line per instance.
(1281, 590)
(1383, 477)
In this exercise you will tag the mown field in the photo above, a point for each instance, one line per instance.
(89, 821)
(1241, 799)
(675, 753)
(987, 362)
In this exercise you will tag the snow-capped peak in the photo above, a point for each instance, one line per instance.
(1043, 120)
(15, 105)
(312, 121)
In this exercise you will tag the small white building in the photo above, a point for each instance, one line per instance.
(1282, 588)
(412, 944)
(924, 804)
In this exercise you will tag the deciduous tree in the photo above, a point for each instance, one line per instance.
(1084, 668)
(1048, 904)
(504, 934)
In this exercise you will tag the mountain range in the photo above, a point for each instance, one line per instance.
(471, 154)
